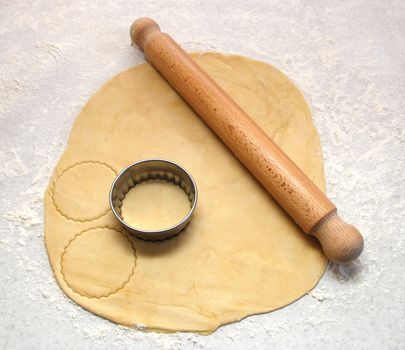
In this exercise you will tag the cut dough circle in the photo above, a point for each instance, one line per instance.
(155, 205)
(240, 255)
(79, 191)
(105, 268)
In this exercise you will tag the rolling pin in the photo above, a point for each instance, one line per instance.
(279, 175)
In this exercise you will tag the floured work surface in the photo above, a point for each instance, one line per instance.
(240, 255)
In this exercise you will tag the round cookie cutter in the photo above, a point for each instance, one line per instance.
(153, 169)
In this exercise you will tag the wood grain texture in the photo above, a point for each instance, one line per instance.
(279, 175)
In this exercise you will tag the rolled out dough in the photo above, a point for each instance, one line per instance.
(240, 255)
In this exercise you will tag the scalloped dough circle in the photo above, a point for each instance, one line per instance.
(79, 192)
(98, 262)
(240, 255)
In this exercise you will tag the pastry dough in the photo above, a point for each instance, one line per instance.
(155, 205)
(240, 255)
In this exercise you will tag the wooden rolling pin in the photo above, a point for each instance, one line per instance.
(279, 175)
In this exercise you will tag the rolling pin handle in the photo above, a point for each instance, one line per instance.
(341, 242)
(142, 28)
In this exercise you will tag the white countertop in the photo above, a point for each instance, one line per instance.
(348, 59)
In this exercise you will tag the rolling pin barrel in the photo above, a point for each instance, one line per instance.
(279, 175)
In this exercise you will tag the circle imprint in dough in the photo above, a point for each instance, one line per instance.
(98, 262)
(79, 193)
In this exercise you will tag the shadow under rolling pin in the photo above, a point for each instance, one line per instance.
(279, 175)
